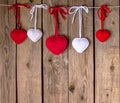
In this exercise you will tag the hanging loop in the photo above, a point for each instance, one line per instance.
(62, 10)
(16, 9)
(34, 9)
(102, 14)
(73, 10)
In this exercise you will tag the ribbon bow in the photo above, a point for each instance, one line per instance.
(44, 6)
(102, 13)
(62, 10)
(34, 9)
(16, 8)
(74, 12)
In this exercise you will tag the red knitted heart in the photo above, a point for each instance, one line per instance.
(102, 35)
(18, 36)
(56, 44)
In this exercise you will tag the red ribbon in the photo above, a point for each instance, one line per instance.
(102, 14)
(16, 8)
(62, 10)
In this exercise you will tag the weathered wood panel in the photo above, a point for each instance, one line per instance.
(69, 77)
(7, 55)
(29, 62)
(81, 69)
(55, 67)
(107, 58)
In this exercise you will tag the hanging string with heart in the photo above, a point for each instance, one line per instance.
(16, 9)
(57, 43)
(103, 34)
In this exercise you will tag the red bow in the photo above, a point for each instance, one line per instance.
(102, 13)
(62, 10)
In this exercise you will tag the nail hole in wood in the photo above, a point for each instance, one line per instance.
(82, 97)
(107, 95)
(49, 60)
(113, 22)
(112, 67)
(72, 88)
(28, 65)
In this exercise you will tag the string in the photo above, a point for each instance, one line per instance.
(90, 7)
(16, 9)
(18, 17)
(62, 10)
(74, 12)
(102, 14)
(34, 9)
(5, 5)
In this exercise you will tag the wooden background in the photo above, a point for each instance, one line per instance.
(29, 73)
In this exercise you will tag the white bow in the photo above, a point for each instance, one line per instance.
(34, 9)
(73, 10)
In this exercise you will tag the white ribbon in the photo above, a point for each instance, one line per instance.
(73, 10)
(34, 9)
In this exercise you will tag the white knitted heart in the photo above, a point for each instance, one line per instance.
(80, 44)
(34, 35)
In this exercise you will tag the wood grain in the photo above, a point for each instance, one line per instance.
(7, 56)
(81, 65)
(55, 67)
(107, 58)
(30, 73)
(29, 62)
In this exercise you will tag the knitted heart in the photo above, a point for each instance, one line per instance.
(102, 35)
(80, 44)
(56, 44)
(18, 36)
(34, 35)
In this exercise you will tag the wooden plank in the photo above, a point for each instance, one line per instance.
(107, 58)
(55, 67)
(81, 68)
(29, 62)
(7, 56)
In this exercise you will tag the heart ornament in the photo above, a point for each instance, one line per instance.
(34, 35)
(102, 35)
(18, 36)
(56, 44)
(80, 44)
